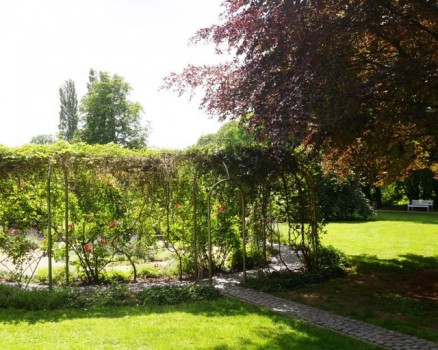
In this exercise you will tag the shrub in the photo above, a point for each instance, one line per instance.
(116, 276)
(278, 281)
(114, 294)
(58, 275)
(17, 298)
(254, 259)
(156, 271)
(342, 201)
(331, 261)
(171, 295)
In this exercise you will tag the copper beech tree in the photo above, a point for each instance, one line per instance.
(355, 79)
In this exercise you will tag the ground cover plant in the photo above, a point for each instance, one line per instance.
(13, 297)
(220, 324)
(394, 274)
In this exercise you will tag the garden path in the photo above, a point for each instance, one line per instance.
(229, 285)
(385, 338)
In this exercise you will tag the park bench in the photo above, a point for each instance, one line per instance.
(421, 203)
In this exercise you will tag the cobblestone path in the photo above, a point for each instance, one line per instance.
(357, 329)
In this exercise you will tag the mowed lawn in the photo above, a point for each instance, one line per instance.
(393, 280)
(388, 236)
(220, 324)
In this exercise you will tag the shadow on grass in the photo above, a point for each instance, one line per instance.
(223, 307)
(273, 331)
(405, 262)
(415, 217)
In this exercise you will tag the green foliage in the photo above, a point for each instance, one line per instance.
(98, 200)
(419, 184)
(116, 276)
(342, 201)
(17, 298)
(393, 196)
(331, 261)
(115, 294)
(171, 295)
(122, 203)
(20, 251)
(68, 114)
(17, 245)
(280, 281)
(108, 115)
(45, 139)
(254, 259)
(178, 213)
(156, 271)
(58, 276)
(230, 135)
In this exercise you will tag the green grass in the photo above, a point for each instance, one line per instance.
(222, 324)
(393, 279)
(389, 236)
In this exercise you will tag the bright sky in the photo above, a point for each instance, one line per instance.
(45, 42)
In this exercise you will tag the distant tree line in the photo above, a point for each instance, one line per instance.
(104, 115)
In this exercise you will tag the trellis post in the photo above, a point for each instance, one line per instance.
(67, 238)
(49, 226)
(210, 246)
(195, 224)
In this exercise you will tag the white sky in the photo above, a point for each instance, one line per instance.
(45, 42)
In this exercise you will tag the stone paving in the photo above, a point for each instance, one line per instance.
(373, 334)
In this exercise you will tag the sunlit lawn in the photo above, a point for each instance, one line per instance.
(394, 279)
(390, 235)
(220, 324)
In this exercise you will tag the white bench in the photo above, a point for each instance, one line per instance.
(421, 203)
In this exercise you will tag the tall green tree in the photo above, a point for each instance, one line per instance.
(68, 114)
(108, 115)
(231, 134)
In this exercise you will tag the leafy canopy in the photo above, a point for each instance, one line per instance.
(108, 115)
(230, 135)
(355, 78)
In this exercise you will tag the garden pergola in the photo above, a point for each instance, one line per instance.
(95, 199)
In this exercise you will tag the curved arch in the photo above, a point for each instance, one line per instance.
(210, 246)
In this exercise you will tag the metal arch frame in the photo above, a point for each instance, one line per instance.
(49, 225)
(242, 205)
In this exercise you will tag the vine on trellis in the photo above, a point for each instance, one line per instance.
(100, 202)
